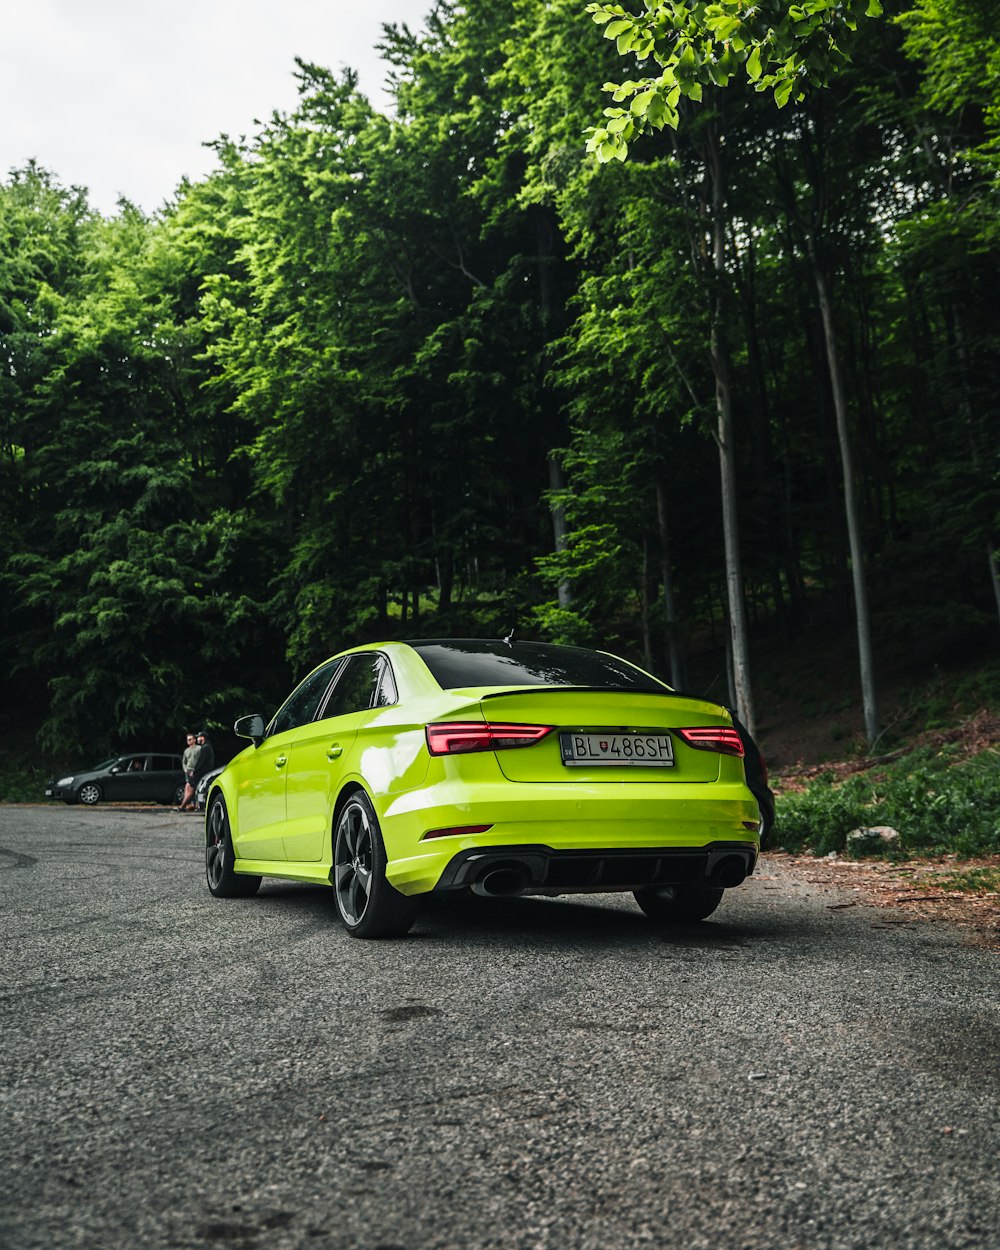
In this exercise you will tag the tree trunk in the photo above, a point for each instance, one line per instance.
(850, 497)
(676, 659)
(810, 231)
(557, 478)
(557, 481)
(725, 440)
(647, 643)
(446, 579)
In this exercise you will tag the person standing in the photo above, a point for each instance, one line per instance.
(205, 756)
(206, 761)
(189, 762)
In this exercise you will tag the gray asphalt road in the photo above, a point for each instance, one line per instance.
(178, 1071)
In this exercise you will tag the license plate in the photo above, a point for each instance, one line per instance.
(620, 749)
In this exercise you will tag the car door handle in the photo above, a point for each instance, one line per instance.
(334, 752)
(281, 761)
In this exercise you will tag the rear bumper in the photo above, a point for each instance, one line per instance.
(626, 827)
(541, 870)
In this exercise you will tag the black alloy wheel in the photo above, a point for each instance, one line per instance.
(679, 904)
(368, 906)
(223, 880)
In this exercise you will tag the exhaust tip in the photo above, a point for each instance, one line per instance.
(501, 882)
(730, 871)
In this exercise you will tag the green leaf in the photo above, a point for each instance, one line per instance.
(782, 92)
(753, 65)
(688, 60)
(640, 103)
(615, 28)
(655, 112)
(874, 9)
(725, 28)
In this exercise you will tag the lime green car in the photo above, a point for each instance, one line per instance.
(506, 768)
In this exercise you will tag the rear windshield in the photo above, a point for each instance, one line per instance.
(476, 662)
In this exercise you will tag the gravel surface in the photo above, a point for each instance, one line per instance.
(180, 1071)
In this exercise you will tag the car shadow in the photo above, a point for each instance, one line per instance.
(584, 918)
(601, 920)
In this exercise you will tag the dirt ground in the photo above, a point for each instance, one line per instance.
(915, 890)
(912, 892)
(975, 733)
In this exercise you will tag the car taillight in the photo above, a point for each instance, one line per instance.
(713, 738)
(459, 737)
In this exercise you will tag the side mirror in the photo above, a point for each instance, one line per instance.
(115, 768)
(250, 727)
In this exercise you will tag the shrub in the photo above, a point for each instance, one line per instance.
(938, 805)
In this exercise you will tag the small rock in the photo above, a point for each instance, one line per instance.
(872, 838)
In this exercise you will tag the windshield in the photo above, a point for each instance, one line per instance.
(97, 768)
(458, 663)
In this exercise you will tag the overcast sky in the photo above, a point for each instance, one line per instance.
(119, 95)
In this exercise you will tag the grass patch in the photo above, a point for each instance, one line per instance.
(22, 778)
(940, 804)
(964, 881)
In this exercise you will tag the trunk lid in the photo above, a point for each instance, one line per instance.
(605, 725)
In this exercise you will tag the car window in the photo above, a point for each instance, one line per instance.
(300, 706)
(478, 662)
(356, 684)
(162, 763)
(386, 694)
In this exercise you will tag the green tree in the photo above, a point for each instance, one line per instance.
(781, 47)
(121, 582)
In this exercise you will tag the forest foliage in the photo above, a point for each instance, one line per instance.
(440, 371)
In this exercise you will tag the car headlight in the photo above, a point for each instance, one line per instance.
(65, 781)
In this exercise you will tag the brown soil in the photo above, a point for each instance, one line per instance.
(926, 889)
(976, 733)
(915, 891)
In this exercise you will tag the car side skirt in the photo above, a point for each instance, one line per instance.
(315, 872)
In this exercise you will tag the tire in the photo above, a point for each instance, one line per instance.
(89, 793)
(367, 904)
(756, 775)
(222, 880)
(679, 904)
(765, 801)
